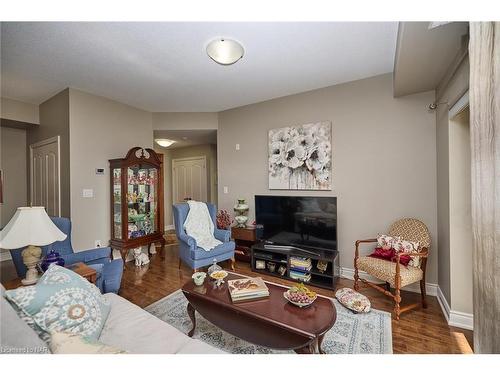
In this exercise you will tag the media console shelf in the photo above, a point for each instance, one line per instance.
(280, 256)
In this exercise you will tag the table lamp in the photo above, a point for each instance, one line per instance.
(31, 227)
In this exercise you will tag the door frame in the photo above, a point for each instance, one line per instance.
(56, 139)
(174, 185)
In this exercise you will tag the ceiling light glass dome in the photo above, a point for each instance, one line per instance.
(225, 51)
(164, 142)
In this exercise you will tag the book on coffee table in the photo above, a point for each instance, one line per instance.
(247, 289)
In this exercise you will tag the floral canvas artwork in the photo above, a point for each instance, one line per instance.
(300, 157)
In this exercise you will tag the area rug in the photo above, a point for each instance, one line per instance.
(368, 333)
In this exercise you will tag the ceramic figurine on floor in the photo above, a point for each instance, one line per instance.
(141, 259)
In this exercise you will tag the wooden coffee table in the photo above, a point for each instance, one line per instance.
(272, 322)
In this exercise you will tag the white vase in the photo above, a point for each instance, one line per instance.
(241, 209)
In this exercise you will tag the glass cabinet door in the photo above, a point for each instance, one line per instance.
(142, 200)
(117, 203)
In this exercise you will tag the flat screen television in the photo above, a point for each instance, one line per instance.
(304, 222)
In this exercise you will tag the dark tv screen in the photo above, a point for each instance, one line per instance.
(308, 222)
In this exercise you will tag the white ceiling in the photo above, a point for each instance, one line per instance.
(164, 66)
(424, 55)
(185, 138)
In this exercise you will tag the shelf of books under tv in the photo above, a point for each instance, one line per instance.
(283, 257)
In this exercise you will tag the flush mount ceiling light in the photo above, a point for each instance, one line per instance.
(164, 142)
(225, 51)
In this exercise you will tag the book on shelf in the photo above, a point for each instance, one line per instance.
(300, 268)
(301, 276)
(247, 289)
(300, 262)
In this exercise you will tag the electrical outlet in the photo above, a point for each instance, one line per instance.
(98, 243)
(226, 190)
(237, 146)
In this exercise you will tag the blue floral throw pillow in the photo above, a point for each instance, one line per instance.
(61, 301)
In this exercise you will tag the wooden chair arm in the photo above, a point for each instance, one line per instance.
(358, 242)
(424, 253)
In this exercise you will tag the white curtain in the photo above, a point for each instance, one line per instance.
(484, 97)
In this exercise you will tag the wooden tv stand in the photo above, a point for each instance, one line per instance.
(280, 256)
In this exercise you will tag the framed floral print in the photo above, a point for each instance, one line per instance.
(300, 157)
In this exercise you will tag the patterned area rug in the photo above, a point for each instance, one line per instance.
(352, 333)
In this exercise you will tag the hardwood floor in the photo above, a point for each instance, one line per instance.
(418, 331)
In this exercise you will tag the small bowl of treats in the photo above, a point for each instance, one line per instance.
(219, 276)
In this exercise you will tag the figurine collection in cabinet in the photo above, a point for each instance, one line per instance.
(136, 200)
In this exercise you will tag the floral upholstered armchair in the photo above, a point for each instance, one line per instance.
(393, 271)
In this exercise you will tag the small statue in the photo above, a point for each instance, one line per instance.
(141, 259)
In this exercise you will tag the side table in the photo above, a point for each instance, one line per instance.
(80, 268)
(244, 238)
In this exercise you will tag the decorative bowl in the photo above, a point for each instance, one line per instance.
(199, 278)
(299, 304)
(137, 217)
(219, 277)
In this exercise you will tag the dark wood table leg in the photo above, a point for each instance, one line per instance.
(308, 349)
(191, 310)
(320, 341)
(162, 249)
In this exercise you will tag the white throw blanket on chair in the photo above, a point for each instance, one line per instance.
(200, 226)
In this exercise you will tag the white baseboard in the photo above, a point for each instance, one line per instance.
(430, 288)
(5, 255)
(169, 227)
(455, 318)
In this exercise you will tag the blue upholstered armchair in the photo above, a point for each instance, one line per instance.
(109, 272)
(194, 256)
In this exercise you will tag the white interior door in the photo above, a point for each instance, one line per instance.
(189, 179)
(44, 175)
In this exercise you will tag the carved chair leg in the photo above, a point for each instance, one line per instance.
(233, 261)
(397, 300)
(356, 277)
(423, 292)
(397, 294)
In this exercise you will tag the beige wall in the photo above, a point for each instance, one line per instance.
(460, 214)
(450, 94)
(54, 120)
(101, 129)
(384, 156)
(185, 120)
(19, 111)
(14, 176)
(209, 151)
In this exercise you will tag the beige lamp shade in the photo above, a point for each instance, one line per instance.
(30, 226)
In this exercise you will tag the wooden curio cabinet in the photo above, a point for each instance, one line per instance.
(136, 200)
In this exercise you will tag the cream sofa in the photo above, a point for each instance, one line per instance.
(127, 327)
